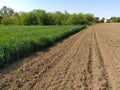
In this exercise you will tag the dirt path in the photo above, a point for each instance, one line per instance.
(88, 60)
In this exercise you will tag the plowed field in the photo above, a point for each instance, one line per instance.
(88, 60)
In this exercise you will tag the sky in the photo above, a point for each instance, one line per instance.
(100, 8)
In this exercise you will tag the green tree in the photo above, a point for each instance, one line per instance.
(16, 19)
(0, 19)
(24, 18)
(102, 20)
(58, 18)
(41, 16)
(32, 19)
(50, 19)
(65, 20)
(6, 11)
(96, 19)
(6, 20)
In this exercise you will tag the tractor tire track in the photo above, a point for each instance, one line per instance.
(110, 42)
(101, 76)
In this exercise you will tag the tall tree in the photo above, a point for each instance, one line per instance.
(6, 11)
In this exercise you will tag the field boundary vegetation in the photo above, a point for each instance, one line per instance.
(41, 17)
(114, 20)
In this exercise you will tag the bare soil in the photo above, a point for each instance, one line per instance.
(88, 60)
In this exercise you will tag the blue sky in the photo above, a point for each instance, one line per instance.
(100, 8)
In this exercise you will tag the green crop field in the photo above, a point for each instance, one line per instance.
(19, 41)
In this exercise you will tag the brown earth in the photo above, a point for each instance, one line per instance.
(88, 60)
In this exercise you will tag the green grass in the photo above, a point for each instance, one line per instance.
(17, 42)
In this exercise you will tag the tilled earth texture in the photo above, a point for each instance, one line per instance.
(88, 60)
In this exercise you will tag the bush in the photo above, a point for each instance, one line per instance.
(6, 20)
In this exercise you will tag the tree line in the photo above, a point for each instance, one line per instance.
(113, 19)
(41, 17)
